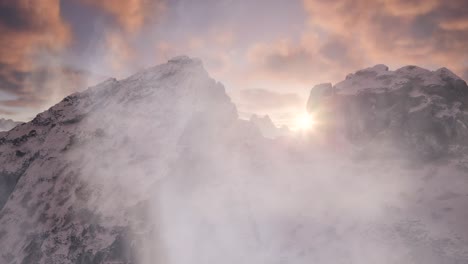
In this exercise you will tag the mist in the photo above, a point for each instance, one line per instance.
(275, 141)
(158, 168)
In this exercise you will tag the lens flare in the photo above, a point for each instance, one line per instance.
(304, 122)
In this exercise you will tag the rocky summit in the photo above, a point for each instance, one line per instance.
(421, 113)
(158, 168)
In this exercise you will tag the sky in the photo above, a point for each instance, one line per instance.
(267, 53)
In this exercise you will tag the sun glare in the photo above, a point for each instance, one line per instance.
(304, 122)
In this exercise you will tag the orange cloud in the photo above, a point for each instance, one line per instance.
(343, 35)
(30, 30)
(262, 99)
(409, 8)
(6, 112)
(459, 24)
(119, 52)
(31, 26)
(131, 14)
(303, 63)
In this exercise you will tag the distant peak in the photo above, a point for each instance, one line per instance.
(266, 118)
(380, 67)
(444, 72)
(185, 60)
(371, 71)
(376, 68)
(412, 69)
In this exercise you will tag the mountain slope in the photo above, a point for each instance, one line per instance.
(87, 147)
(157, 168)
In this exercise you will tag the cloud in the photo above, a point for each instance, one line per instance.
(293, 47)
(47, 84)
(459, 24)
(36, 40)
(281, 107)
(429, 33)
(125, 38)
(131, 15)
(29, 26)
(6, 112)
(409, 8)
(283, 58)
(344, 35)
(29, 30)
(308, 61)
(120, 53)
(266, 99)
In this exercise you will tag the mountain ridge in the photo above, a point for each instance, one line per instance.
(158, 168)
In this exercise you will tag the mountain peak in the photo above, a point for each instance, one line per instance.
(444, 72)
(183, 59)
(380, 78)
(424, 109)
(376, 68)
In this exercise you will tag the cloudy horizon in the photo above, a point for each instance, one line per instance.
(268, 54)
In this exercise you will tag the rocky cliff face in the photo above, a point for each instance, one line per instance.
(420, 112)
(157, 168)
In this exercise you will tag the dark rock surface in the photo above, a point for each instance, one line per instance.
(423, 112)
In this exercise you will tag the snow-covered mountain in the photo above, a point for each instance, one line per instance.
(7, 124)
(157, 168)
(91, 144)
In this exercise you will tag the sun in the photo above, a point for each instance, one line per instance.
(304, 122)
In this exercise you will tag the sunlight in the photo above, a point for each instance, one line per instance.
(304, 122)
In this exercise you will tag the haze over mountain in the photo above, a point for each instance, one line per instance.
(268, 53)
(7, 124)
(158, 168)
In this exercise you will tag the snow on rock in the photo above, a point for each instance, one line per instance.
(423, 111)
(380, 79)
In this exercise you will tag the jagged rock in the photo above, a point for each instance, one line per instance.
(423, 112)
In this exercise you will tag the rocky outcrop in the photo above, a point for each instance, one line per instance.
(419, 112)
